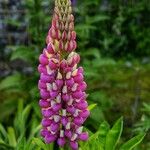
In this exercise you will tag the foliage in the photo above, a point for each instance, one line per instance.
(21, 137)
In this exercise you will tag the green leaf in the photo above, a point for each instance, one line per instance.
(103, 130)
(90, 107)
(4, 146)
(23, 52)
(21, 143)
(132, 143)
(39, 143)
(114, 134)
(97, 140)
(12, 137)
(3, 132)
(10, 82)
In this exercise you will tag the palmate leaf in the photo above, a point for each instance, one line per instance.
(132, 143)
(114, 134)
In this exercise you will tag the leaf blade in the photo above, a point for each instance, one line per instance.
(114, 134)
(132, 143)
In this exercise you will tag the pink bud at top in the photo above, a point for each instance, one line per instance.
(50, 48)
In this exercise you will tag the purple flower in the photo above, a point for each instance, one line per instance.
(62, 86)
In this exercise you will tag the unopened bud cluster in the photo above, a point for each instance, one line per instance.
(62, 87)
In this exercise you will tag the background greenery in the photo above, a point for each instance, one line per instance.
(114, 44)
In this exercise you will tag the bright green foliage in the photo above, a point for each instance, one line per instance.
(107, 139)
(113, 135)
(129, 145)
(23, 136)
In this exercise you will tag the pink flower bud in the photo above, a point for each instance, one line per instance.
(44, 132)
(61, 142)
(74, 145)
(50, 138)
(50, 48)
(42, 69)
(78, 121)
(44, 103)
(68, 133)
(54, 127)
(46, 122)
(44, 94)
(47, 113)
(43, 60)
(41, 85)
(84, 136)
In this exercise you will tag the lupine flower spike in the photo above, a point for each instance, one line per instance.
(62, 87)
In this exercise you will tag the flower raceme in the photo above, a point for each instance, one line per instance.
(62, 87)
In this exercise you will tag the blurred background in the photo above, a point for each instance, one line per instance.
(114, 44)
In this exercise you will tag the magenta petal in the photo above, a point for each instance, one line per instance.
(41, 85)
(78, 121)
(78, 78)
(63, 64)
(84, 136)
(71, 109)
(85, 114)
(50, 48)
(43, 60)
(54, 127)
(44, 103)
(44, 94)
(82, 105)
(47, 113)
(50, 138)
(65, 97)
(64, 121)
(68, 133)
(59, 83)
(80, 70)
(44, 132)
(53, 94)
(46, 122)
(47, 78)
(83, 86)
(77, 94)
(56, 107)
(52, 65)
(70, 82)
(42, 69)
(74, 145)
(61, 142)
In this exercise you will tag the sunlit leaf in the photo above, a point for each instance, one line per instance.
(114, 134)
(132, 143)
(92, 106)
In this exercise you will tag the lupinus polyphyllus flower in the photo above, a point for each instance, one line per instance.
(62, 87)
